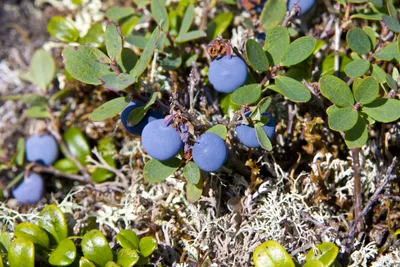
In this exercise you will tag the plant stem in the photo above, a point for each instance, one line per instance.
(357, 187)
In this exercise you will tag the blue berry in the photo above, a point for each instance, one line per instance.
(30, 190)
(247, 134)
(210, 152)
(42, 149)
(137, 129)
(227, 74)
(305, 5)
(161, 142)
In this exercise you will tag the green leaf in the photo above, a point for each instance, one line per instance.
(171, 63)
(107, 150)
(262, 138)
(113, 41)
(138, 114)
(33, 233)
(273, 13)
(336, 90)
(147, 245)
(314, 263)
(64, 254)
(128, 25)
(20, 151)
(218, 25)
(187, 20)
(398, 44)
(292, 89)
(343, 119)
(390, 81)
(83, 262)
(41, 69)
(325, 253)
(328, 64)
(392, 23)
(53, 221)
(378, 73)
(117, 83)
(160, 14)
(388, 53)
(357, 68)
(109, 109)
(112, 264)
(191, 172)
(37, 112)
(276, 43)
(271, 254)
(358, 135)
(21, 253)
(367, 16)
(383, 109)
(5, 241)
(85, 63)
(194, 191)
(371, 34)
(66, 165)
(246, 94)
(261, 107)
(62, 29)
(147, 54)
(127, 257)
(128, 239)
(94, 37)
(157, 171)
(358, 41)
(219, 130)
(298, 51)
(117, 13)
(77, 144)
(256, 56)
(366, 90)
(95, 248)
(127, 60)
(189, 36)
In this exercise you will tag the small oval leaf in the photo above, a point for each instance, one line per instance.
(191, 172)
(95, 248)
(246, 94)
(77, 144)
(273, 13)
(64, 254)
(336, 90)
(33, 233)
(21, 253)
(271, 254)
(53, 221)
(127, 257)
(256, 56)
(343, 119)
(292, 89)
(383, 109)
(147, 245)
(219, 130)
(325, 253)
(357, 68)
(62, 29)
(128, 239)
(157, 171)
(109, 109)
(358, 41)
(298, 51)
(366, 90)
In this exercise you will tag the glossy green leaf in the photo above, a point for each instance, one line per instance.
(94, 37)
(343, 119)
(261, 107)
(314, 263)
(358, 135)
(5, 241)
(20, 156)
(113, 41)
(33, 233)
(77, 144)
(371, 34)
(357, 68)
(86, 64)
(95, 248)
(157, 171)
(336, 90)
(391, 23)
(83, 262)
(21, 253)
(116, 83)
(227, 106)
(219, 130)
(388, 53)
(378, 73)
(298, 51)
(64, 254)
(292, 89)
(218, 25)
(366, 90)
(160, 14)
(66, 165)
(147, 245)
(262, 138)
(256, 56)
(326, 253)
(276, 43)
(112, 264)
(127, 257)
(194, 191)
(191, 172)
(128, 25)
(271, 254)
(358, 41)
(107, 150)
(109, 109)
(128, 239)
(273, 13)
(62, 29)
(187, 20)
(383, 109)
(41, 69)
(246, 94)
(53, 221)
(367, 16)
(189, 36)
(147, 54)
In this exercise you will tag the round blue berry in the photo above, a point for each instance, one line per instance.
(227, 74)
(30, 190)
(209, 152)
(247, 134)
(137, 129)
(161, 142)
(305, 5)
(42, 149)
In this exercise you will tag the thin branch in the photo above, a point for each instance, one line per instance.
(52, 170)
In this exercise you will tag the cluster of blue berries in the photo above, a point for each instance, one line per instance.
(42, 149)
